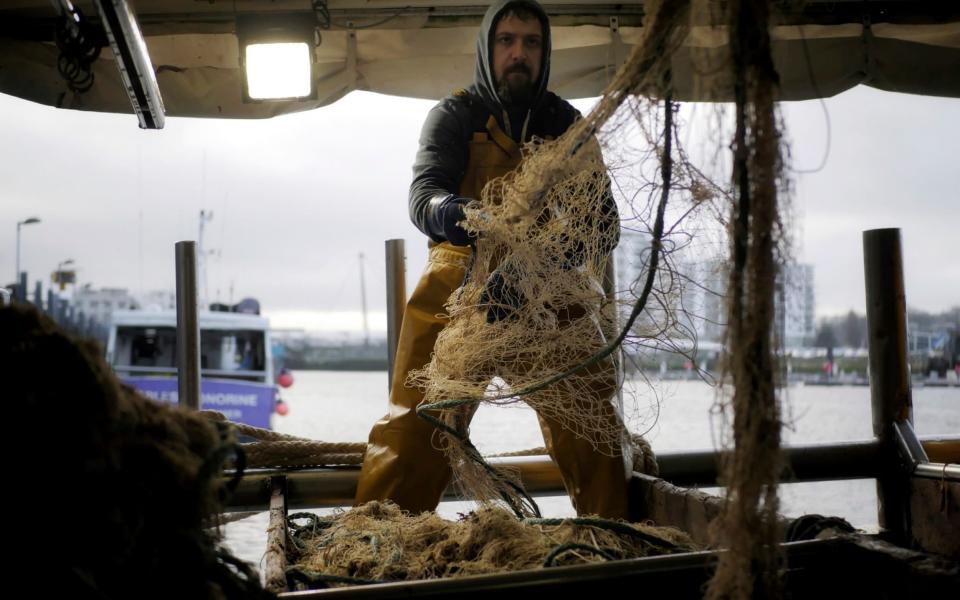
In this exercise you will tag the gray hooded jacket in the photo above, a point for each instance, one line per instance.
(442, 159)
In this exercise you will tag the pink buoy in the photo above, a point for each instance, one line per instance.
(285, 379)
(282, 408)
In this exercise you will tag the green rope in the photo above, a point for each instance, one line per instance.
(610, 525)
(551, 558)
(316, 523)
(666, 171)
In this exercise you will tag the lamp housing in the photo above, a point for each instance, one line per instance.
(277, 56)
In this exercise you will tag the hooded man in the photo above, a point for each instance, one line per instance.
(468, 139)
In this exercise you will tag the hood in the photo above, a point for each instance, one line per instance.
(483, 78)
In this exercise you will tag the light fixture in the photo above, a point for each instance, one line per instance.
(64, 277)
(277, 56)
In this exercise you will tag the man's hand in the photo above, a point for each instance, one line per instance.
(501, 298)
(448, 215)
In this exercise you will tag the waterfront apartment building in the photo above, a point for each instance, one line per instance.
(698, 291)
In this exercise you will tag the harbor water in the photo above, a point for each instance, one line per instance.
(340, 406)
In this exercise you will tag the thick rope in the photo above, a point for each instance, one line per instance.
(276, 449)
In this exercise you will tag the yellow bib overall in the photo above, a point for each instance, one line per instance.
(401, 463)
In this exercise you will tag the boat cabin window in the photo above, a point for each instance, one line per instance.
(221, 351)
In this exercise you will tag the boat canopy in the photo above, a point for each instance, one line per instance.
(426, 49)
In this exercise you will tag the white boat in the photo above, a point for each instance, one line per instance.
(236, 362)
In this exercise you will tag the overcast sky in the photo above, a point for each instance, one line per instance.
(297, 198)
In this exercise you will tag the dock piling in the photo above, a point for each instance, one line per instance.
(188, 326)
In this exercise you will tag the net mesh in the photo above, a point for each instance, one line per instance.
(532, 324)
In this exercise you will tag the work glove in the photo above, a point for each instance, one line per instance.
(501, 298)
(445, 218)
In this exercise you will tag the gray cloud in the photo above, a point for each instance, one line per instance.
(296, 198)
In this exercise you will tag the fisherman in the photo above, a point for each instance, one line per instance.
(468, 139)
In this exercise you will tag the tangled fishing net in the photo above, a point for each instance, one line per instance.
(123, 493)
(532, 324)
(378, 542)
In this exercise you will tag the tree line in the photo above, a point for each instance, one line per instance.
(850, 330)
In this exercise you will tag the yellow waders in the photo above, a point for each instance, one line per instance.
(401, 463)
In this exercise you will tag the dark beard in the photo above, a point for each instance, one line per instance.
(519, 94)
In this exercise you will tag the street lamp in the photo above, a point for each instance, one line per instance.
(30, 221)
(61, 277)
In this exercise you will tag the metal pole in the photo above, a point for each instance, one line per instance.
(890, 397)
(363, 303)
(188, 326)
(16, 277)
(22, 288)
(396, 300)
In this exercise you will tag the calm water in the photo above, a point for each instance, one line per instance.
(342, 406)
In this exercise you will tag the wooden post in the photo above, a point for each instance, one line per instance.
(396, 300)
(890, 397)
(275, 559)
(188, 326)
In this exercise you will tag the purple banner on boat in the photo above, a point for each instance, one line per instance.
(240, 401)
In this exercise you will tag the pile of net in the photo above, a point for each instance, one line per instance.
(531, 317)
(118, 496)
(378, 542)
(532, 323)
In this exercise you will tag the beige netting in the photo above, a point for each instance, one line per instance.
(379, 542)
(532, 317)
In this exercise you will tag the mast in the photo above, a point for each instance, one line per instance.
(363, 302)
(205, 217)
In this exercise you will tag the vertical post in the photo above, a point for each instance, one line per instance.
(22, 287)
(396, 300)
(363, 304)
(16, 276)
(188, 326)
(275, 558)
(890, 397)
(610, 291)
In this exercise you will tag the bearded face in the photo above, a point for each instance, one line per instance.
(517, 56)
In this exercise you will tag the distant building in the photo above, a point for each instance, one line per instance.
(695, 297)
(700, 302)
(630, 265)
(158, 300)
(99, 304)
(796, 305)
(703, 293)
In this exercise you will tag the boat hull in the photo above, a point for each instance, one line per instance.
(246, 402)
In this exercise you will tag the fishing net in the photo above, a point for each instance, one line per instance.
(532, 324)
(378, 542)
(123, 492)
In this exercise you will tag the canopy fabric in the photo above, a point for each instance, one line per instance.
(416, 53)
